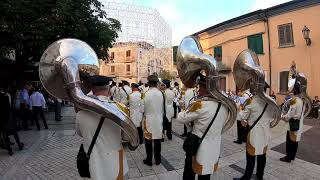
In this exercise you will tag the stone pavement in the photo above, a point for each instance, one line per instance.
(51, 154)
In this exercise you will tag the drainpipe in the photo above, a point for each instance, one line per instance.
(269, 50)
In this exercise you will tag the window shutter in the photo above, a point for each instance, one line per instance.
(255, 43)
(288, 34)
(281, 35)
(218, 50)
(284, 81)
(259, 44)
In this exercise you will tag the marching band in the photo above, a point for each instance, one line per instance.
(137, 114)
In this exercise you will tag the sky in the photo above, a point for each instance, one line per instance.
(189, 16)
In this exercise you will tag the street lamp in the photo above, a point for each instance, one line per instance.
(306, 35)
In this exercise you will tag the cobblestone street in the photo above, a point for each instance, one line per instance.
(51, 154)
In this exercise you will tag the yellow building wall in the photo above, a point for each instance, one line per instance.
(233, 42)
(306, 57)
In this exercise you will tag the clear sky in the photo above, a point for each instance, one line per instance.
(189, 16)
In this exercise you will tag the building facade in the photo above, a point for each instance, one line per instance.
(139, 23)
(135, 61)
(275, 34)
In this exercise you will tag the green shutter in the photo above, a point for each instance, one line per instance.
(255, 43)
(218, 50)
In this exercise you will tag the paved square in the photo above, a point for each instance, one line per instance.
(51, 154)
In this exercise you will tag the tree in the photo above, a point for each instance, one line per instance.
(166, 75)
(29, 26)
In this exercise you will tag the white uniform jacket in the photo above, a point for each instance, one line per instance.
(202, 113)
(188, 97)
(107, 160)
(152, 106)
(169, 103)
(113, 91)
(116, 94)
(135, 103)
(259, 137)
(295, 111)
(124, 95)
(177, 95)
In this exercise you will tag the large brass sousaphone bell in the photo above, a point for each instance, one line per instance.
(248, 73)
(61, 66)
(190, 62)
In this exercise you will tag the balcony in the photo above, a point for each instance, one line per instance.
(223, 68)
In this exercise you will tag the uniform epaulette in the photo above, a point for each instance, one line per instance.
(248, 101)
(123, 108)
(293, 101)
(195, 106)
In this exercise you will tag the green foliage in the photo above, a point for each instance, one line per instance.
(166, 75)
(29, 26)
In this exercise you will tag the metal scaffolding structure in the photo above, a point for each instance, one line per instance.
(139, 23)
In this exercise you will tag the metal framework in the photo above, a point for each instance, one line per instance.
(139, 23)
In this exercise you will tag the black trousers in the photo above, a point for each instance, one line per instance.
(242, 135)
(140, 133)
(24, 114)
(291, 148)
(188, 173)
(261, 163)
(5, 137)
(169, 130)
(37, 110)
(176, 109)
(156, 149)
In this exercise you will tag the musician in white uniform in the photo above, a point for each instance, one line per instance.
(152, 106)
(169, 94)
(187, 98)
(124, 92)
(113, 90)
(135, 105)
(201, 113)
(259, 136)
(295, 112)
(177, 96)
(107, 160)
(244, 97)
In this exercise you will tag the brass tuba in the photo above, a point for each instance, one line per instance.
(294, 77)
(190, 62)
(248, 73)
(61, 66)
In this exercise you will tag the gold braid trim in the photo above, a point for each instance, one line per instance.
(142, 95)
(195, 106)
(293, 101)
(123, 108)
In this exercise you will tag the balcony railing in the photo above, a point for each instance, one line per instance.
(223, 67)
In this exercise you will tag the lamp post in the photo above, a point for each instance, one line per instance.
(306, 35)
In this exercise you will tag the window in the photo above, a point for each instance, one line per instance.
(283, 85)
(223, 84)
(128, 68)
(218, 53)
(112, 56)
(112, 69)
(255, 43)
(285, 35)
(128, 53)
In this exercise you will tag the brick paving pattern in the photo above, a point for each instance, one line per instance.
(51, 154)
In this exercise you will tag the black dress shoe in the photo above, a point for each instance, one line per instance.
(184, 135)
(146, 162)
(237, 142)
(285, 159)
(21, 146)
(158, 162)
(10, 153)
